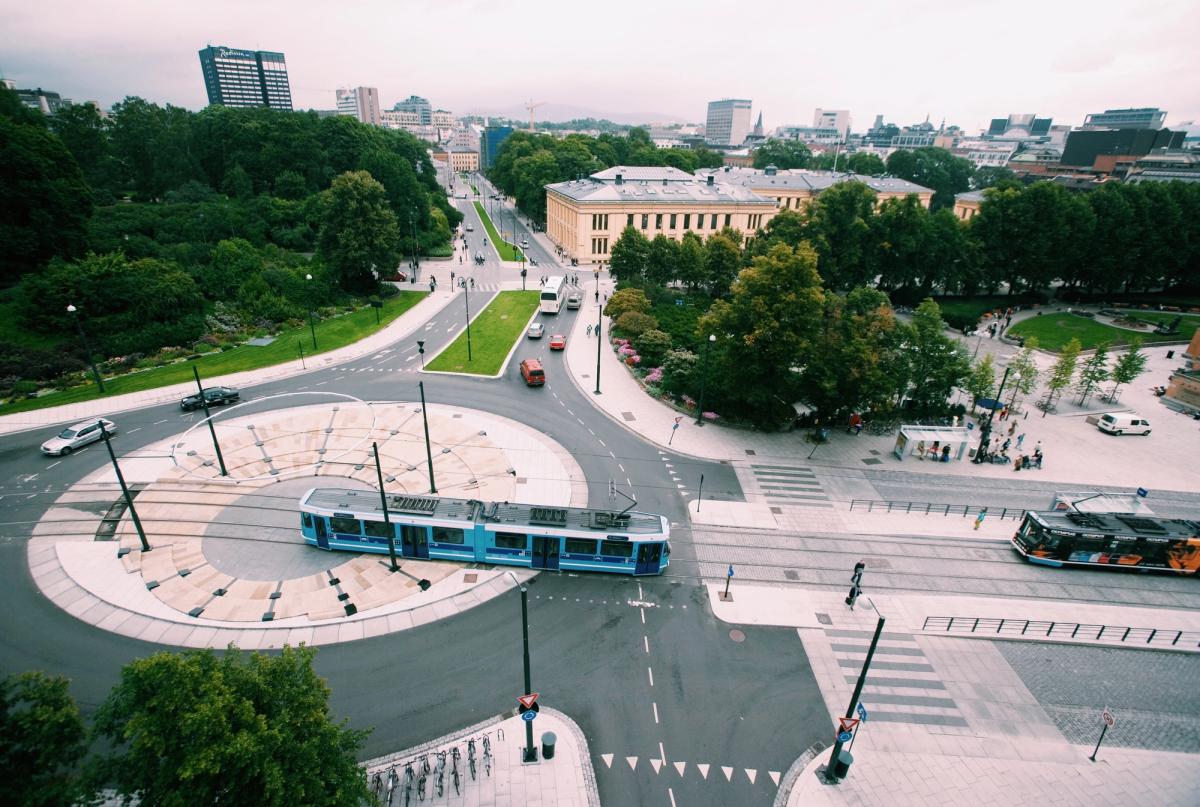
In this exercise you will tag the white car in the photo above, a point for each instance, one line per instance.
(470, 228)
(77, 436)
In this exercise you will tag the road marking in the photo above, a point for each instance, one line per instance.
(642, 604)
(622, 467)
(29, 477)
(410, 358)
(753, 774)
(655, 705)
(322, 383)
(728, 773)
(31, 495)
(164, 420)
(651, 672)
(672, 795)
(339, 378)
(632, 763)
(640, 595)
(774, 777)
(302, 388)
(592, 433)
(601, 441)
(628, 482)
(646, 641)
(703, 766)
(614, 456)
(662, 752)
(643, 612)
(51, 465)
(131, 431)
(657, 763)
(679, 766)
(569, 412)
(608, 758)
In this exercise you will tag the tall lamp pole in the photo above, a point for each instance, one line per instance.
(137, 522)
(428, 448)
(531, 752)
(212, 430)
(311, 327)
(467, 303)
(712, 337)
(383, 500)
(599, 342)
(985, 433)
(74, 312)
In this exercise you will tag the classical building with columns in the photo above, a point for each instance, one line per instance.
(585, 217)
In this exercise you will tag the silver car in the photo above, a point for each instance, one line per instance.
(76, 437)
(536, 330)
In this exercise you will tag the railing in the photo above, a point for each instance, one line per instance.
(1043, 629)
(933, 509)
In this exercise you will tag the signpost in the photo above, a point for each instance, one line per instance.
(1110, 720)
(862, 716)
(1142, 492)
(728, 577)
(674, 428)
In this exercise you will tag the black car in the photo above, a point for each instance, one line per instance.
(215, 396)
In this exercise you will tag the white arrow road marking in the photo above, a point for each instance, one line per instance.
(728, 773)
(753, 774)
(632, 763)
(607, 760)
(679, 766)
(657, 763)
(703, 766)
(774, 776)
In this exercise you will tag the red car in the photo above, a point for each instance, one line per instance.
(558, 342)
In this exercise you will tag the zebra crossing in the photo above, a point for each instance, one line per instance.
(703, 769)
(790, 485)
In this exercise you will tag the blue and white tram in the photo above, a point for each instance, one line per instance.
(472, 531)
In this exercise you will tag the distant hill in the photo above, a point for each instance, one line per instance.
(553, 112)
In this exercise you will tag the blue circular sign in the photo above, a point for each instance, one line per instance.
(844, 737)
(530, 715)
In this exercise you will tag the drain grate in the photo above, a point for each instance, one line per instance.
(751, 452)
(824, 619)
(791, 574)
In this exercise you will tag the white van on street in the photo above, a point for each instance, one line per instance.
(1123, 423)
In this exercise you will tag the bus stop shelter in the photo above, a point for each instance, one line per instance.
(935, 443)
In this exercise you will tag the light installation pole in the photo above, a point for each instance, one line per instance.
(74, 312)
(137, 522)
(599, 342)
(428, 448)
(212, 430)
(712, 337)
(383, 500)
(311, 327)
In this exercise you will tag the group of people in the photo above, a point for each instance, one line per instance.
(936, 452)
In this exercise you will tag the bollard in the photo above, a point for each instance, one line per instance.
(548, 741)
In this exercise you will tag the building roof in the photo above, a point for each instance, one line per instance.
(661, 185)
(654, 173)
(969, 196)
(812, 181)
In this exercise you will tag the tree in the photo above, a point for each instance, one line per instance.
(41, 740)
(1128, 366)
(84, 131)
(652, 345)
(635, 323)
(933, 168)
(689, 260)
(1023, 373)
(981, 381)
(930, 363)
(989, 176)
(623, 300)
(782, 154)
(662, 265)
(1093, 372)
(233, 262)
(901, 234)
(290, 184)
(1062, 372)
(764, 330)
(629, 258)
(359, 233)
(237, 184)
(722, 262)
(865, 163)
(681, 372)
(253, 729)
(839, 226)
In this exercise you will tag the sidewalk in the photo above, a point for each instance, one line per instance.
(401, 327)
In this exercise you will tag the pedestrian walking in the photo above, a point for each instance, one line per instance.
(1012, 429)
(472, 282)
(1008, 320)
(1017, 462)
(979, 518)
(1020, 439)
(589, 331)
(542, 281)
(1003, 412)
(1037, 449)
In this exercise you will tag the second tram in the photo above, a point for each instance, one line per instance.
(1111, 540)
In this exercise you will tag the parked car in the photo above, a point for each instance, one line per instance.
(532, 372)
(536, 330)
(396, 277)
(525, 243)
(558, 342)
(1123, 423)
(214, 396)
(76, 437)
(470, 228)
(574, 300)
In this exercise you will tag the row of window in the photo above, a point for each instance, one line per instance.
(687, 220)
(599, 246)
(453, 535)
(599, 221)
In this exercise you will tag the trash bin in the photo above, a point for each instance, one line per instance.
(548, 741)
(841, 766)
(1170, 354)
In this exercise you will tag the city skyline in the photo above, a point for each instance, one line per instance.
(952, 64)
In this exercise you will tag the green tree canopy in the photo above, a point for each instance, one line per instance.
(928, 363)
(359, 235)
(629, 258)
(41, 741)
(782, 154)
(933, 168)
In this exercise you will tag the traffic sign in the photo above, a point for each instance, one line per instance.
(847, 723)
(862, 713)
(1109, 718)
(844, 737)
(527, 701)
(1143, 492)
(730, 572)
(528, 716)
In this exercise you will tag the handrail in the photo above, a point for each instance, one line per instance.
(1040, 628)
(936, 509)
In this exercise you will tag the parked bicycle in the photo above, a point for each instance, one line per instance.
(471, 757)
(441, 773)
(409, 776)
(392, 779)
(377, 785)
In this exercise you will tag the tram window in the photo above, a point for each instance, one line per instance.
(616, 549)
(1152, 551)
(377, 529)
(1123, 546)
(345, 525)
(511, 540)
(448, 535)
(306, 520)
(581, 546)
(1089, 543)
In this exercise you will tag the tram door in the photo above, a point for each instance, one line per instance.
(322, 531)
(545, 552)
(414, 542)
(649, 557)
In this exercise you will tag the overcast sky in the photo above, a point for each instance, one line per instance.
(964, 61)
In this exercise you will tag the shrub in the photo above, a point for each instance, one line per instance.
(653, 345)
(679, 370)
(633, 360)
(635, 323)
(626, 300)
(655, 376)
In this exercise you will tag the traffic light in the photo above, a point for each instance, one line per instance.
(855, 583)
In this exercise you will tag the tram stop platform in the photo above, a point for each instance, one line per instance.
(228, 563)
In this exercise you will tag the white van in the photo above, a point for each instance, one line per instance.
(1123, 423)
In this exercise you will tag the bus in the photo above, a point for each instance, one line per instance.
(1120, 540)
(552, 295)
(471, 531)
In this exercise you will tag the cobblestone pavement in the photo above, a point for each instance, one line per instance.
(1153, 695)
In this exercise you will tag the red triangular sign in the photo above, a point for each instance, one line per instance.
(847, 723)
(527, 701)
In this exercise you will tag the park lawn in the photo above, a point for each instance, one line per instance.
(331, 334)
(493, 333)
(1053, 331)
(507, 251)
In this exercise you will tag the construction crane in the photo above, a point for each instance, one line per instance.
(532, 106)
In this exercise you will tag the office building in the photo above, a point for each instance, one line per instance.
(48, 103)
(417, 105)
(1143, 118)
(490, 141)
(586, 216)
(245, 78)
(1114, 151)
(1022, 126)
(361, 103)
(728, 122)
(838, 119)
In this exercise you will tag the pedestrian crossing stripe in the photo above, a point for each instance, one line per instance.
(679, 766)
(774, 777)
(753, 774)
(702, 767)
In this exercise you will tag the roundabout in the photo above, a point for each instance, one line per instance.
(227, 562)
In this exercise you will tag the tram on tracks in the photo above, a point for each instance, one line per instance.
(1110, 540)
(472, 531)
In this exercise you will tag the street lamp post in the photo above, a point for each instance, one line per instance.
(599, 342)
(74, 312)
(531, 752)
(985, 433)
(428, 448)
(383, 501)
(311, 327)
(467, 304)
(137, 522)
(212, 430)
(712, 337)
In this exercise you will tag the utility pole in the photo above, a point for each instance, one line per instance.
(836, 759)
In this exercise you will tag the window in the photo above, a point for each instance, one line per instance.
(712, 224)
(616, 549)
(687, 221)
(306, 520)
(511, 540)
(346, 525)
(629, 220)
(377, 529)
(645, 220)
(600, 221)
(581, 546)
(672, 221)
(599, 246)
(728, 219)
(658, 221)
(448, 535)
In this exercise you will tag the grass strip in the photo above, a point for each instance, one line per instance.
(331, 334)
(1055, 330)
(507, 251)
(493, 333)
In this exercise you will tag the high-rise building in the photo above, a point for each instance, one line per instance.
(1143, 118)
(838, 119)
(489, 144)
(728, 122)
(361, 103)
(246, 78)
(418, 105)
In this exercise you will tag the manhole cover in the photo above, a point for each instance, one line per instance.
(737, 635)
(791, 574)
(824, 619)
